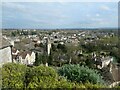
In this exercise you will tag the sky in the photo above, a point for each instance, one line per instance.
(57, 15)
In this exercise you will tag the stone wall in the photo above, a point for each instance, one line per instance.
(5, 55)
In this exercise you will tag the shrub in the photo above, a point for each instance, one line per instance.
(41, 77)
(13, 75)
(90, 86)
(47, 77)
(80, 74)
(17, 76)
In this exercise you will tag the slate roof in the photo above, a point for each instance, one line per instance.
(23, 54)
(111, 77)
(4, 42)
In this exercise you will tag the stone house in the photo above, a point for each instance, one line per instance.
(5, 55)
(23, 57)
(27, 57)
(5, 51)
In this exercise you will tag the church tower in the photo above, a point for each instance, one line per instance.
(48, 46)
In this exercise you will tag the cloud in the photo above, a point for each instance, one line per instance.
(105, 8)
(15, 6)
(58, 14)
(97, 15)
(97, 19)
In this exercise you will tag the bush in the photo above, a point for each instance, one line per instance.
(80, 74)
(17, 76)
(40, 77)
(13, 75)
(46, 77)
(90, 86)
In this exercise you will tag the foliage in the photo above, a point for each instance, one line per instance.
(50, 59)
(41, 59)
(62, 47)
(13, 34)
(33, 33)
(0, 77)
(37, 60)
(90, 86)
(115, 52)
(46, 77)
(80, 74)
(40, 77)
(103, 44)
(53, 47)
(19, 76)
(13, 75)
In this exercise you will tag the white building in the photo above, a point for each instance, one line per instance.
(27, 58)
(48, 46)
(24, 57)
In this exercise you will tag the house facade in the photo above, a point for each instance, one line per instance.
(23, 57)
(27, 58)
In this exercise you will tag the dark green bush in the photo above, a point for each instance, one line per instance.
(80, 74)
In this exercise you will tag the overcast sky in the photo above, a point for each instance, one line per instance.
(53, 15)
